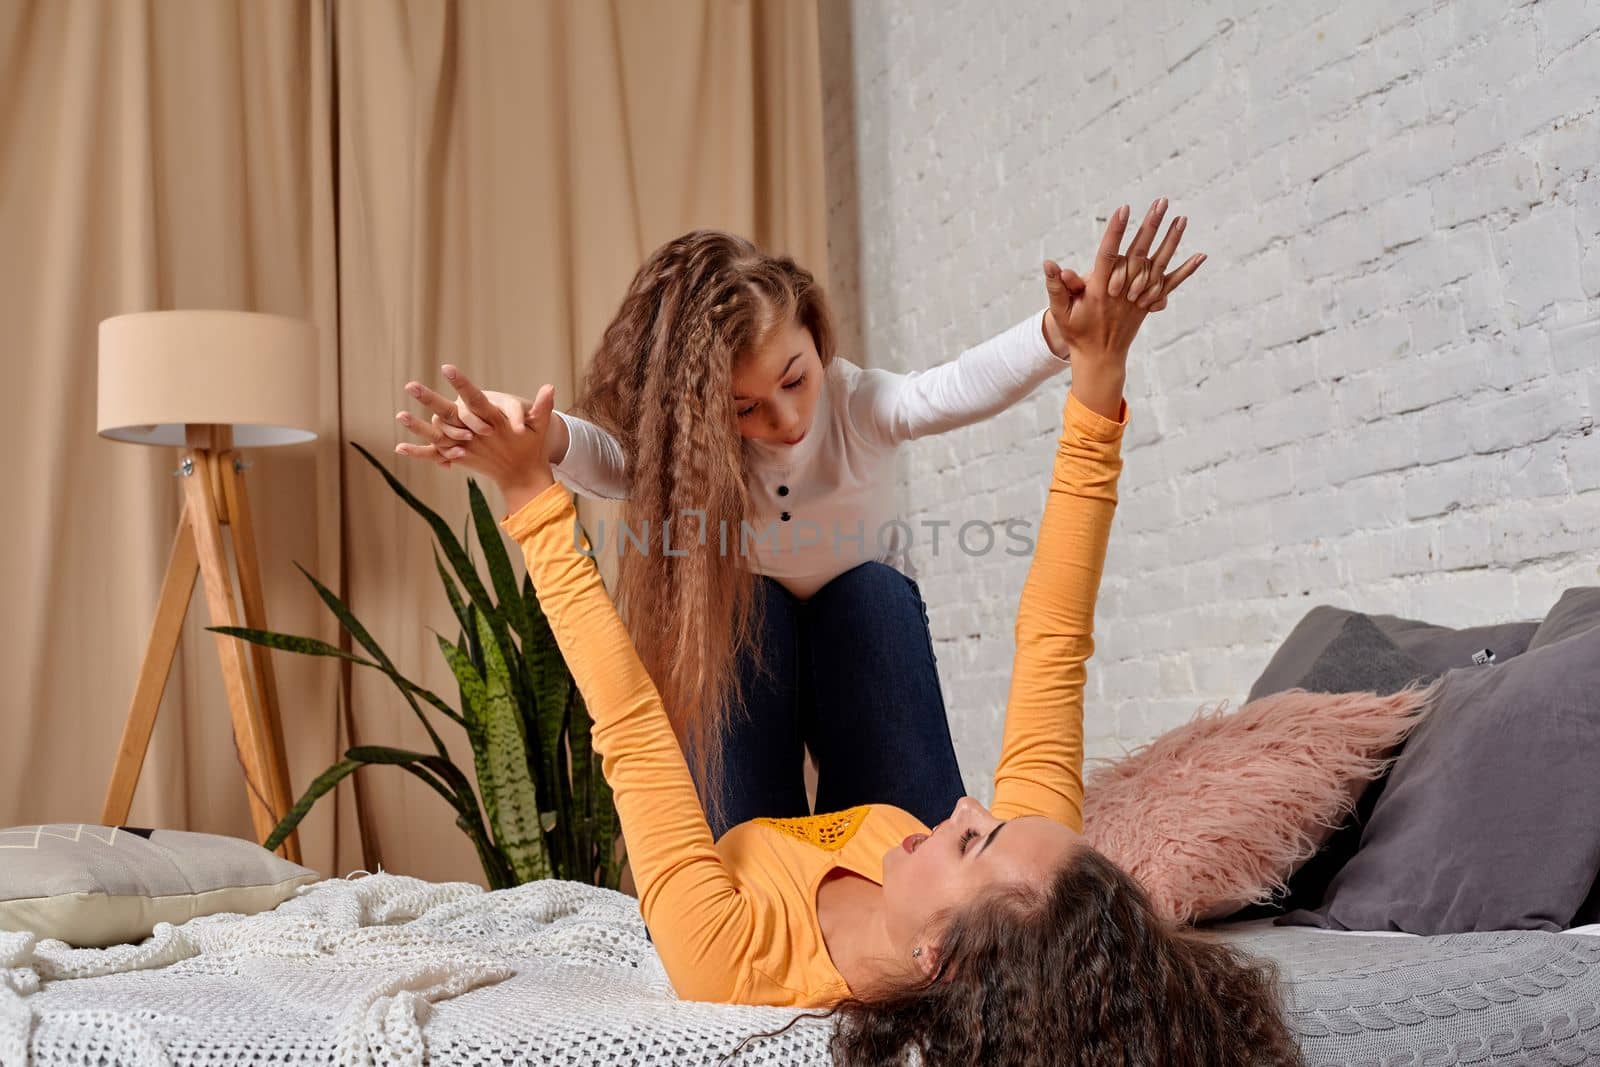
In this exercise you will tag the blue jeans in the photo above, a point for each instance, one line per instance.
(849, 674)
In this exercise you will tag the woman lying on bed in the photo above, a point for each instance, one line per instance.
(997, 936)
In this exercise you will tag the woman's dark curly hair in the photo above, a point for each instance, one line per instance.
(1080, 973)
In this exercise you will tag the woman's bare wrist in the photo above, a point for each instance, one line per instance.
(517, 496)
(1099, 387)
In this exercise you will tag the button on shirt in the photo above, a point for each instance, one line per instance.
(826, 504)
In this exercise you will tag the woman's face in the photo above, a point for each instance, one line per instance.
(775, 387)
(967, 856)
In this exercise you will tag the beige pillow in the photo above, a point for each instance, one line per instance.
(92, 886)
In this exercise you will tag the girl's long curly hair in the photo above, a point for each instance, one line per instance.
(661, 382)
(1079, 973)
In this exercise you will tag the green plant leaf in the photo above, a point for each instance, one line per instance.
(474, 693)
(474, 646)
(441, 774)
(365, 639)
(457, 605)
(384, 754)
(475, 700)
(550, 682)
(573, 834)
(499, 562)
(508, 797)
(445, 778)
(545, 806)
(306, 646)
(455, 551)
(321, 785)
(447, 539)
(585, 773)
(518, 831)
(310, 646)
(511, 618)
(495, 869)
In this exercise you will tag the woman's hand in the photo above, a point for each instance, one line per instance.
(512, 454)
(456, 421)
(1098, 318)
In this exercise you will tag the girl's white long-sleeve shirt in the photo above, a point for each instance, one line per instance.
(825, 505)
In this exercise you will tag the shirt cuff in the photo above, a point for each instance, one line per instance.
(1092, 424)
(556, 412)
(549, 505)
(1042, 347)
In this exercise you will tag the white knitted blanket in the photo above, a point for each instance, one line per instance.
(381, 969)
(385, 969)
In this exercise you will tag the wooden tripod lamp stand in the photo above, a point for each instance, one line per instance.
(208, 382)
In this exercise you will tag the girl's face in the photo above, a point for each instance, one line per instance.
(969, 854)
(775, 388)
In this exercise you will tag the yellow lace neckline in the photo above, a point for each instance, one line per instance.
(829, 831)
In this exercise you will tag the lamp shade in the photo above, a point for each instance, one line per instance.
(161, 370)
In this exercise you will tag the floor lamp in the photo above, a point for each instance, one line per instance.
(209, 382)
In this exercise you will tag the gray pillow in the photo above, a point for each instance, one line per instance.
(1490, 819)
(1577, 611)
(1440, 648)
(1333, 650)
(92, 886)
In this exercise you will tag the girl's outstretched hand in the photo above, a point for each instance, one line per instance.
(455, 422)
(1097, 318)
(512, 454)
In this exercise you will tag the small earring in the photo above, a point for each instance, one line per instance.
(917, 951)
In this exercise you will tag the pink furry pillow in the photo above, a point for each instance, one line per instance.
(1217, 813)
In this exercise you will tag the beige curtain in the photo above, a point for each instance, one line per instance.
(498, 170)
(152, 156)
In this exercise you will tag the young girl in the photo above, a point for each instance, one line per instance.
(998, 936)
(773, 623)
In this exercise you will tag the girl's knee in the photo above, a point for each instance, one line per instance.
(874, 582)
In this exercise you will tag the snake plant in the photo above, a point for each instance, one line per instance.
(549, 809)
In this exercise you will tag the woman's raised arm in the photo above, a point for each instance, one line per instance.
(1041, 758)
(700, 919)
(1040, 771)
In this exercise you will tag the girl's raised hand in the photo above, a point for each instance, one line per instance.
(513, 454)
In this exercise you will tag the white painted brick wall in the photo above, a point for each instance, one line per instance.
(1379, 392)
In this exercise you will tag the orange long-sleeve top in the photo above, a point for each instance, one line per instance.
(735, 920)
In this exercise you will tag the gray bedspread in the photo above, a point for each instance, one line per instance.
(1489, 998)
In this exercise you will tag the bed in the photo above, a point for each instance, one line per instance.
(385, 969)
(1505, 997)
